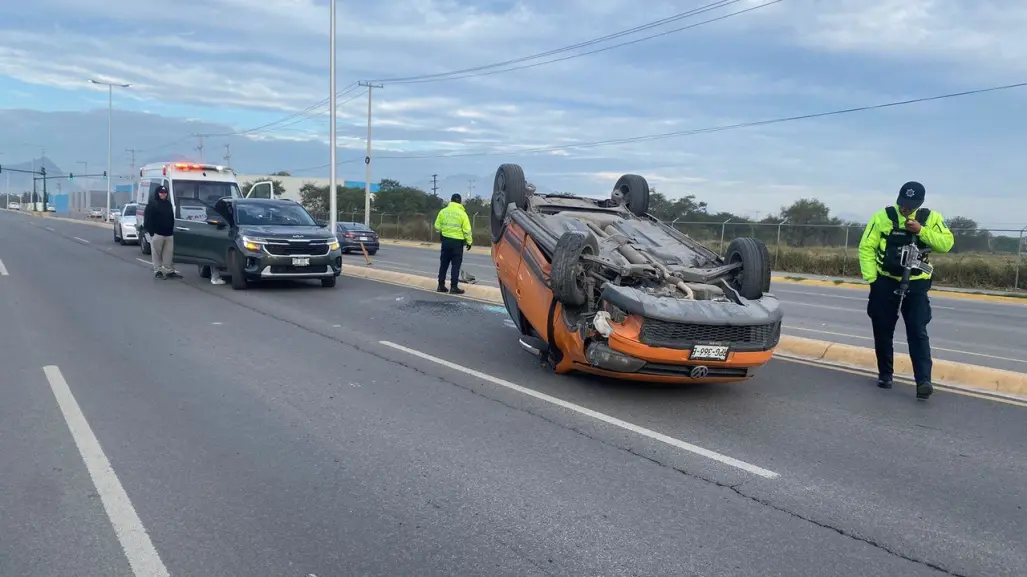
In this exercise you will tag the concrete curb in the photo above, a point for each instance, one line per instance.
(785, 279)
(960, 375)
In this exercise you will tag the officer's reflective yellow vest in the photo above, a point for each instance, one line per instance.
(452, 222)
(874, 242)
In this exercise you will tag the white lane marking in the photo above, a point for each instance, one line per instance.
(3, 269)
(141, 554)
(144, 261)
(677, 443)
(82, 240)
(861, 299)
(903, 343)
(51, 229)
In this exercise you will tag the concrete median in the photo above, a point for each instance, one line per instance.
(961, 375)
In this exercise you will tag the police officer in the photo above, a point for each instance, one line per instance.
(455, 229)
(879, 261)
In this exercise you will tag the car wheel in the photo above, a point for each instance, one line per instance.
(144, 245)
(329, 282)
(634, 190)
(508, 186)
(235, 266)
(754, 277)
(567, 272)
(372, 252)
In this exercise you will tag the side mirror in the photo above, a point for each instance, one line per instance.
(322, 223)
(220, 223)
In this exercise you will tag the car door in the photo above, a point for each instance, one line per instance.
(190, 219)
(262, 189)
(211, 241)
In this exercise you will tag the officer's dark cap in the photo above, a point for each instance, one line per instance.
(911, 195)
(455, 197)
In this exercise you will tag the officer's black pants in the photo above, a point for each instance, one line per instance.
(452, 254)
(882, 308)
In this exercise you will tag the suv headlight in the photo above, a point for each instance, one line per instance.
(252, 243)
(333, 244)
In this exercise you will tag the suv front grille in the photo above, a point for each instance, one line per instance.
(298, 248)
(670, 335)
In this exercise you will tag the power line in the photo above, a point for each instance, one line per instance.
(721, 128)
(597, 50)
(640, 28)
(484, 70)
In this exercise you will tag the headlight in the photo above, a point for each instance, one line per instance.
(333, 245)
(251, 243)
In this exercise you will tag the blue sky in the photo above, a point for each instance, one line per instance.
(224, 66)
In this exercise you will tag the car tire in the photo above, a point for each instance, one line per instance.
(372, 252)
(754, 278)
(567, 273)
(635, 190)
(329, 282)
(235, 267)
(144, 245)
(508, 186)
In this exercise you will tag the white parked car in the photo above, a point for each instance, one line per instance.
(125, 230)
(13, 206)
(96, 213)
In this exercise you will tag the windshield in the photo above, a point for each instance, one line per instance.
(355, 227)
(255, 214)
(207, 192)
(130, 211)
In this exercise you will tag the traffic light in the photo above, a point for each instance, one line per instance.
(105, 175)
(71, 177)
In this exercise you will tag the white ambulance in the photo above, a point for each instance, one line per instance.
(193, 189)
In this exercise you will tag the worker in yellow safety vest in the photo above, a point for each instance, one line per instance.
(880, 252)
(455, 229)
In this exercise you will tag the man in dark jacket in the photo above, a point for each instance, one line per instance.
(159, 221)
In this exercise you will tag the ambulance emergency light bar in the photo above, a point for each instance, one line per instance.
(190, 167)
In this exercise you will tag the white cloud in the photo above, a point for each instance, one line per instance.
(246, 63)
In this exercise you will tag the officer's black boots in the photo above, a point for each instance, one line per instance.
(884, 382)
(442, 288)
(923, 391)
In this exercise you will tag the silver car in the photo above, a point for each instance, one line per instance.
(125, 231)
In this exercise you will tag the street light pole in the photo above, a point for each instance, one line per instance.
(110, 115)
(332, 183)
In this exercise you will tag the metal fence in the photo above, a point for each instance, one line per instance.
(980, 259)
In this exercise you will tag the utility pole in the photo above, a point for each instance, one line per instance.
(333, 201)
(228, 155)
(132, 152)
(470, 188)
(367, 158)
(199, 148)
(435, 185)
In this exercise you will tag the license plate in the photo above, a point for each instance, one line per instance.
(709, 353)
(301, 262)
(364, 238)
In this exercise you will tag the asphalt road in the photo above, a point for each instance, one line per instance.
(991, 334)
(273, 432)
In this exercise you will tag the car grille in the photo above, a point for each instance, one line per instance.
(659, 333)
(298, 248)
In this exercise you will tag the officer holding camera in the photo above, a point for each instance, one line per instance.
(881, 264)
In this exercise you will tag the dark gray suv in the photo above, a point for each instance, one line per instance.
(258, 239)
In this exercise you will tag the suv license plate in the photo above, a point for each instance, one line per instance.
(301, 262)
(364, 238)
(709, 353)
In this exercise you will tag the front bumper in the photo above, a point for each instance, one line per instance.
(260, 265)
(696, 340)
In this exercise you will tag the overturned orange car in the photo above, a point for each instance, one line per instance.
(601, 286)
